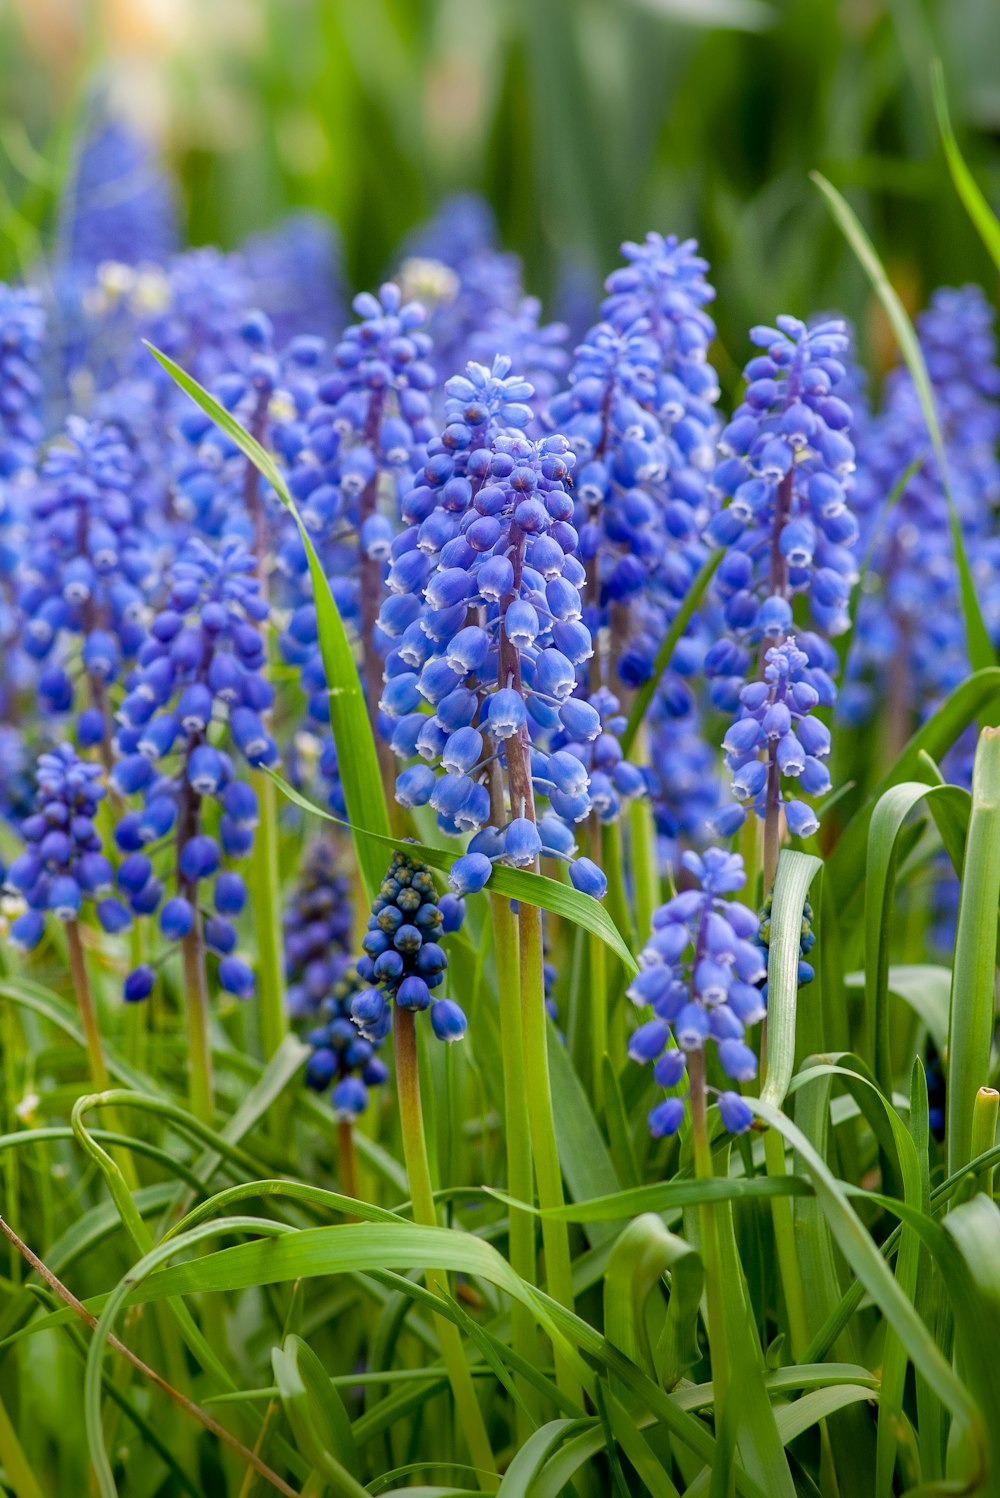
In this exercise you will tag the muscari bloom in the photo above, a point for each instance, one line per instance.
(63, 865)
(908, 646)
(197, 684)
(295, 274)
(786, 466)
(701, 972)
(22, 336)
(322, 983)
(317, 933)
(485, 618)
(88, 569)
(120, 205)
(403, 961)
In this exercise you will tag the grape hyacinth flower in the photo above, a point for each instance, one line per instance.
(63, 870)
(295, 274)
(88, 571)
(701, 972)
(22, 336)
(121, 204)
(786, 466)
(365, 440)
(908, 647)
(199, 670)
(317, 926)
(403, 962)
(485, 616)
(342, 1057)
(63, 866)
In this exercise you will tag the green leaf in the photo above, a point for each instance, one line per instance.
(970, 1033)
(352, 731)
(856, 1244)
(890, 813)
(516, 884)
(317, 1416)
(796, 872)
(845, 865)
(974, 1289)
(927, 989)
(664, 655)
(966, 186)
(981, 652)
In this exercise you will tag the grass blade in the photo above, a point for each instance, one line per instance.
(352, 732)
(970, 1032)
(968, 189)
(796, 872)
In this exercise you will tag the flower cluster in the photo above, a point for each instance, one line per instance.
(342, 1056)
(202, 662)
(776, 738)
(121, 206)
(701, 972)
(317, 933)
(63, 864)
(494, 643)
(89, 568)
(786, 460)
(295, 275)
(403, 961)
(22, 335)
(908, 645)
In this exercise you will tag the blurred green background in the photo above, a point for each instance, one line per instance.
(583, 121)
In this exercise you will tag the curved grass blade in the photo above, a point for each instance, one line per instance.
(871, 1270)
(980, 647)
(979, 692)
(316, 1414)
(970, 1032)
(516, 884)
(352, 732)
(796, 872)
(890, 813)
(968, 189)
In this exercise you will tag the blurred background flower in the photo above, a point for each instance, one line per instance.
(583, 121)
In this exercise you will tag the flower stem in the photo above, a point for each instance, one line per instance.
(88, 1012)
(517, 1139)
(555, 1234)
(196, 1010)
(347, 1158)
(704, 1171)
(266, 894)
(411, 1121)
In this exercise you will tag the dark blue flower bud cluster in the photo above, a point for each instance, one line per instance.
(403, 960)
(807, 940)
(89, 568)
(322, 984)
(63, 865)
(200, 669)
(317, 933)
(701, 972)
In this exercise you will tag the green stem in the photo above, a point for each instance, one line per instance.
(17, 1468)
(785, 1245)
(596, 989)
(517, 1139)
(973, 978)
(555, 1234)
(136, 1015)
(609, 856)
(642, 850)
(411, 1119)
(201, 1085)
(710, 1234)
(265, 885)
(984, 1131)
(88, 1012)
